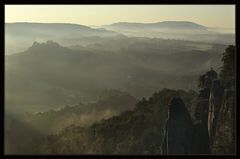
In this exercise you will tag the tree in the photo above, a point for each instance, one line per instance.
(227, 73)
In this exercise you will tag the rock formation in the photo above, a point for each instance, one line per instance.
(213, 130)
(178, 135)
(208, 98)
(215, 102)
(214, 114)
(224, 141)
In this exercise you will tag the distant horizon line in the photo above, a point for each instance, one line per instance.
(113, 23)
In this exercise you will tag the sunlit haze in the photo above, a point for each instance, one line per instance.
(217, 16)
(119, 79)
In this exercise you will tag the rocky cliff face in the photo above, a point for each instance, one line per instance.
(214, 119)
(203, 114)
(215, 102)
(179, 129)
(224, 141)
(214, 116)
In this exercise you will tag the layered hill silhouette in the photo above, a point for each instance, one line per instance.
(49, 75)
(19, 36)
(184, 30)
(164, 24)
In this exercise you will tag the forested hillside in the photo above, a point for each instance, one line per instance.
(138, 131)
(31, 127)
(50, 75)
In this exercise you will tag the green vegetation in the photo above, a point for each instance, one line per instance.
(133, 132)
(31, 127)
(225, 140)
(228, 71)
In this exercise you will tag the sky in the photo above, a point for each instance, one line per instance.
(217, 16)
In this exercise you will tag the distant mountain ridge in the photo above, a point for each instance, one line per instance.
(18, 36)
(58, 25)
(164, 24)
(51, 28)
(181, 30)
(47, 24)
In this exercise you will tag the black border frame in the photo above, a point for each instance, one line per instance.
(117, 2)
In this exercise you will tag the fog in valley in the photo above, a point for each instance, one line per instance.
(63, 64)
(66, 81)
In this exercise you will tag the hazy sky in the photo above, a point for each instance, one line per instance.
(208, 15)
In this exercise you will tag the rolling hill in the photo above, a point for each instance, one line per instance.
(48, 75)
(18, 36)
(182, 30)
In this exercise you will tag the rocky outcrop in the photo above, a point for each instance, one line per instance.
(178, 135)
(214, 116)
(201, 139)
(215, 102)
(224, 140)
(207, 101)
(213, 130)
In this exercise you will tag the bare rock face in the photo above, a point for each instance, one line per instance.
(198, 137)
(215, 102)
(213, 130)
(214, 116)
(224, 140)
(201, 137)
(178, 135)
(205, 81)
(208, 93)
(207, 111)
